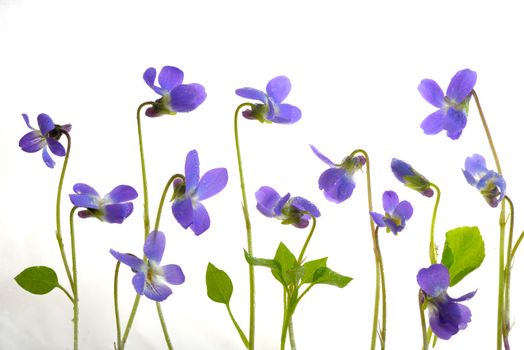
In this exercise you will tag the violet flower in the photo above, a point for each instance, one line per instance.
(47, 134)
(271, 110)
(337, 181)
(446, 315)
(176, 97)
(114, 207)
(150, 278)
(396, 214)
(490, 184)
(187, 207)
(411, 178)
(296, 211)
(453, 108)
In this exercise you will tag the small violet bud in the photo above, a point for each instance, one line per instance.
(411, 178)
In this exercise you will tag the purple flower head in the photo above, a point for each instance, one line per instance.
(187, 207)
(47, 134)
(337, 181)
(296, 211)
(176, 97)
(396, 214)
(410, 177)
(114, 207)
(453, 108)
(271, 110)
(150, 278)
(490, 184)
(446, 315)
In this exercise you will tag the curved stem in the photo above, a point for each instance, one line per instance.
(143, 167)
(59, 286)
(514, 250)
(425, 340)
(162, 199)
(75, 279)
(432, 246)
(164, 327)
(507, 284)
(115, 300)
(303, 251)
(374, 330)
(239, 330)
(248, 232)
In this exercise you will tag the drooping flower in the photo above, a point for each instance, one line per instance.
(271, 110)
(150, 278)
(176, 97)
(187, 207)
(411, 178)
(114, 207)
(296, 211)
(453, 108)
(490, 184)
(47, 134)
(396, 214)
(446, 315)
(337, 181)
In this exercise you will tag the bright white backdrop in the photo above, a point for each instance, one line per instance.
(354, 67)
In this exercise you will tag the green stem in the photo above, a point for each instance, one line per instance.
(143, 167)
(425, 340)
(163, 198)
(117, 314)
(304, 247)
(289, 309)
(164, 327)
(291, 334)
(130, 320)
(383, 291)
(514, 250)
(58, 222)
(374, 330)
(432, 246)
(248, 232)
(75, 279)
(506, 323)
(239, 330)
(59, 286)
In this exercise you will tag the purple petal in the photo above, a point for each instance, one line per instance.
(47, 158)
(404, 210)
(122, 193)
(278, 88)
(378, 218)
(389, 201)
(117, 213)
(211, 183)
(448, 319)
(401, 169)
(170, 77)
(45, 123)
(149, 77)
(26, 119)
(157, 291)
(130, 260)
(321, 156)
(252, 94)
(201, 221)
(433, 280)
(183, 211)
(305, 205)
(476, 165)
(466, 296)
(154, 246)
(139, 282)
(434, 123)
(32, 142)
(337, 184)
(461, 85)
(288, 114)
(469, 178)
(267, 199)
(81, 188)
(185, 98)
(85, 201)
(454, 122)
(84, 214)
(280, 204)
(55, 147)
(431, 92)
(192, 170)
(173, 274)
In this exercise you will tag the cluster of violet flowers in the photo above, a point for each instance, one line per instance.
(463, 247)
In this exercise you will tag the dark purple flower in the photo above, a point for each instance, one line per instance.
(337, 181)
(114, 207)
(411, 178)
(188, 194)
(271, 110)
(176, 97)
(453, 108)
(446, 315)
(47, 134)
(396, 214)
(150, 278)
(296, 211)
(490, 184)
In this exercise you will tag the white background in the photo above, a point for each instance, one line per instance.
(354, 66)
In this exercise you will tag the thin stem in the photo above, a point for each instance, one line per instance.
(303, 251)
(305, 291)
(130, 320)
(383, 291)
(377, 293)
(239, 330)
(164, 327)
(115, 299)
(248, 231)
(59, 286)
(143, 167)
(291, 334)
(506, 323)
(514, 250)
(425, 342)
(75, 279)
(432, 246)
(162, 199)
(58, 198)
(288, 314)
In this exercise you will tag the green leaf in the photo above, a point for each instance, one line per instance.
(37, 279)
(463, 252)
(324, 275)
(290, 271)
(272, 264)
(219, 285)
(311, 267)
